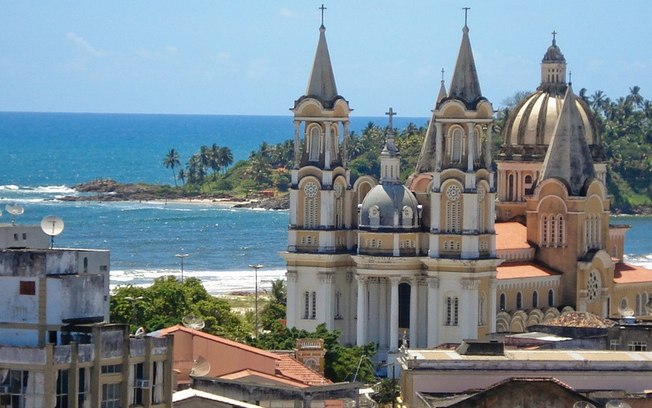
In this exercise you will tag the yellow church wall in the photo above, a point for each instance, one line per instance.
(629, 291)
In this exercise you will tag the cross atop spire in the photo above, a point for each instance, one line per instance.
(391, 115)
(442, 74)
(466, 12)
(322, 8)
(554, 37)
(570, 77)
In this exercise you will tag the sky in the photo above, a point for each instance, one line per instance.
(254, 57)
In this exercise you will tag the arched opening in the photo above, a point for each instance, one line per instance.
(404, 293)
(510, 188)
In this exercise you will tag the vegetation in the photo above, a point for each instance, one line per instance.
(167, 301)
(624, 123)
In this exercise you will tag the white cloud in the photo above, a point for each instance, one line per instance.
(85, 45)
(288, 13)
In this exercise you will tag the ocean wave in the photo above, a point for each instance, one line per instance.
(10, 187)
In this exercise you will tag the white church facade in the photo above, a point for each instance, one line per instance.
(458, 251)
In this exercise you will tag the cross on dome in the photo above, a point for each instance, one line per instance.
(442, 74)
(391, 115)
(554, 37)
(466, 12)
(322, 8)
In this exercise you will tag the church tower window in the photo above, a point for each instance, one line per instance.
(314, 143)
(482, 210)
(545, 231)
(503, 302)
(306, 305)
(481, 307)
(313, 309)
(452, 311)
(560, 231)
(456, 154)
(453, 209)
(310, 205)
(519, 301)
(535, 299)
(551, 297)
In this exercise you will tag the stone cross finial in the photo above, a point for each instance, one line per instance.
(466, 11)
(391, 115)
(570, 77)
(442, 74)
(322, 8)
(554, 38)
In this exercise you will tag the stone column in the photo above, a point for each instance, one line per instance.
(470, 143)
(492, 306)
(469, 319)
(489, 145)
(345, 144)
(361, 328)
(393, 314)
(414, 294)
(291, 314)
(382, 313)
(433, 311)
(297, 144)
(328, 146)
(438, 145)
(325, 306)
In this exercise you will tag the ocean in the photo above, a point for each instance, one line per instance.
(45, 154)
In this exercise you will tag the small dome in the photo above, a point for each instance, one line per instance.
(553, 54)
(389, 206)
(530, 125)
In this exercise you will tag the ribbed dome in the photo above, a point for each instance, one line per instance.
(553, 54)
(389, 206)
(530, 126)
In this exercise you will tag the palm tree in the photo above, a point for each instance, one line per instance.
(225, 157)
(182, 176)
(171, 161)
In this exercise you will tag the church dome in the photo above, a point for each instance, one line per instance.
(553, 54)
(530, 125)
(389, 206)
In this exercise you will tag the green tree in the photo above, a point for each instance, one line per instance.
(171, 161)
(225, 157)
(168, 300)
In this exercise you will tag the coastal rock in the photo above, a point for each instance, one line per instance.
(271, 203)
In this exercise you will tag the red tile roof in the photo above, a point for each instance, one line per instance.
(626, 273)
(523, 270)
(291, 368)
(511, 235)
(217, 339)
(259, 377)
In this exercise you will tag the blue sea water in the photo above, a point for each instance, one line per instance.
(43, 155)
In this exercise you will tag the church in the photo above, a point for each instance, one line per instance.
(468, 247)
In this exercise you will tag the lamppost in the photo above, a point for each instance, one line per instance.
(133, 301)
(255, 267)
(182, 257)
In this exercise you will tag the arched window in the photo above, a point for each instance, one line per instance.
(482, 209)
(519, 301)
(310, 205)
(510, 188)
(545, 231)
(535, 299)
(339, 205)
(407, 215)
(306, 305)
(456, 155)
(503, 302)
(560, 230)
(452, 312)
(623, 304)
(313, 309)
(551, 298)
(314, 144)
(639, 304)
(453, 210)
(374, 216)
(481, 301)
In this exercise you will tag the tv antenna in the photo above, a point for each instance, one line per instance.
(200, 367)
(193, 322)
(14, 210)
(52, 226)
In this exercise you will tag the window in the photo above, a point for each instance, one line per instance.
(27, 288)
(452, 312)
(338, 300)
(481, 301)
(306, 305)
(614, 344)
(535, 299)
(313, 309)
(545, 231)
(139, 383)
(551, 298)
(503, 302)
(310, 205)
(519, 301)
(623, 304)
(158, 370)
(83, 394)
(482, 209)
(637, 346)
(453, 209)
(111, 396)
(456, 155)
(19, 386)
(112, 369)
(314, 144)
(62, 389)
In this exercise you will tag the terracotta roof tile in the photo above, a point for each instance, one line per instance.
(523, 270)
(217, 339)
(626, 273)
(511, 235)
(293, 369)
(257, 376)
(580, 319)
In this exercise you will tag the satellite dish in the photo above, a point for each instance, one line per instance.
(617, 404)
(140, 332)
(52, 226)
(191, 321)
(200, 367)
(583, 404)
(14, 209)
(626, 312)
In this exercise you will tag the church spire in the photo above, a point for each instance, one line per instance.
(442, 88)
(390, 162)
(568, 157)
(465, 84)
(321, 84)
